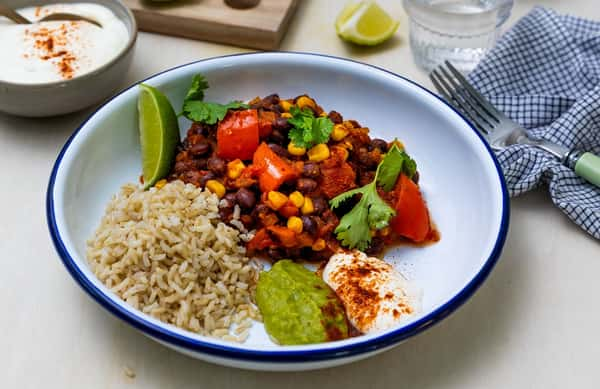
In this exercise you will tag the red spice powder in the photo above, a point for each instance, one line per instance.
(53, 44)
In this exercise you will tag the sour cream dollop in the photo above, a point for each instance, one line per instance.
(59, 50)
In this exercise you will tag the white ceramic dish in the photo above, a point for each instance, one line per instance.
(460, 179)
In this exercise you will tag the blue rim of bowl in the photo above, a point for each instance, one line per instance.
(273, 356)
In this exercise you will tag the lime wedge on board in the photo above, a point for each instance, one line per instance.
(159, 134)
(365, 23)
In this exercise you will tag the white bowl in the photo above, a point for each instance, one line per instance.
(460, 178)
(62, 97)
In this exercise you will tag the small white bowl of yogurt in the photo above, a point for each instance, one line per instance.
(56, 67)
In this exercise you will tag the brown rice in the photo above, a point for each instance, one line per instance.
(166, 252)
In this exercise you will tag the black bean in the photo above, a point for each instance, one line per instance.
(309, 225)
(199, 149)
(229, 201)
(281, 123)
(306, 185)
(196, 128)
(271, 99)
(207, 176)
(183, 166)
(216, 165)
(279, 150)
(311, 169)
(355, 124)
(200, 164)
(335, 117)
(277, 136)
(320, 205)
(192, 177)
(245, 198)
(376, 247)
(379, 144)
(225, 214)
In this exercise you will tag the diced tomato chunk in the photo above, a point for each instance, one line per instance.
(412, 218)
(272, 170)
(237, 135)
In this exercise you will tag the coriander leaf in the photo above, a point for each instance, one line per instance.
(339, 199)
(353, 229)
(307, 130)
(204, 112)
(410, 166)
(379, 212)
(394, 162)
(209, 113)
(196, 91)
(371, 212)
(389, 168)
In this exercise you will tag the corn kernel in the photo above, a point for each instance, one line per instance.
(348, 145)
(295, 150)
(216, 187)
(159, 184)
(294, 223)
(318, 153)
(277, 199)
(318, 245)
(305, 102)
(308, 206)
(285, 105)
(286, 115)
(339, 132)
(323, 114)
(235, 168)
(297, 198)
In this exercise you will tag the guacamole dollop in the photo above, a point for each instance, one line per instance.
(298, 307)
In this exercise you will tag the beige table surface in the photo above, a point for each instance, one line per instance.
(535, 323)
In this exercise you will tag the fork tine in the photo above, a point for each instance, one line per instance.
(455, 100)
(478, 97)
(439, 87)
(491, 120)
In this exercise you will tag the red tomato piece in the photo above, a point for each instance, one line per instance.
(412, 218)
(271, 169)
(237, 135)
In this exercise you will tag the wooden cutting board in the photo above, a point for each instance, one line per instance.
(261, 27)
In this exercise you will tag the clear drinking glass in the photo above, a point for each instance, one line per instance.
(460, 31)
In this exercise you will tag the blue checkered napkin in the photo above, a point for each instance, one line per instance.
(545, 74)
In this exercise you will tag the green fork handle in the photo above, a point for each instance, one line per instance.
(588, 167)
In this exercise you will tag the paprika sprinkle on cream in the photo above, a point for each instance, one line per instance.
(59, 50)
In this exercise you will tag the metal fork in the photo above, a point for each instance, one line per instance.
(498, 129)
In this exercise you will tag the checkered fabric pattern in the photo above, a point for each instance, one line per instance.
(545, 74)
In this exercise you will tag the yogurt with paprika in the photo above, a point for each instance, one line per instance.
(59, 50)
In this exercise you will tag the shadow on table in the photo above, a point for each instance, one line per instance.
(470, 341)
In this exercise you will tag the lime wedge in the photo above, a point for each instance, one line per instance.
(365, 23)
(159, 134)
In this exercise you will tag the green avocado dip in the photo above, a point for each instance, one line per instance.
(298, 307)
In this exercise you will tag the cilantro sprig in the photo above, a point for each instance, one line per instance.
(372, 212)
(197, 110)
(307, 130)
